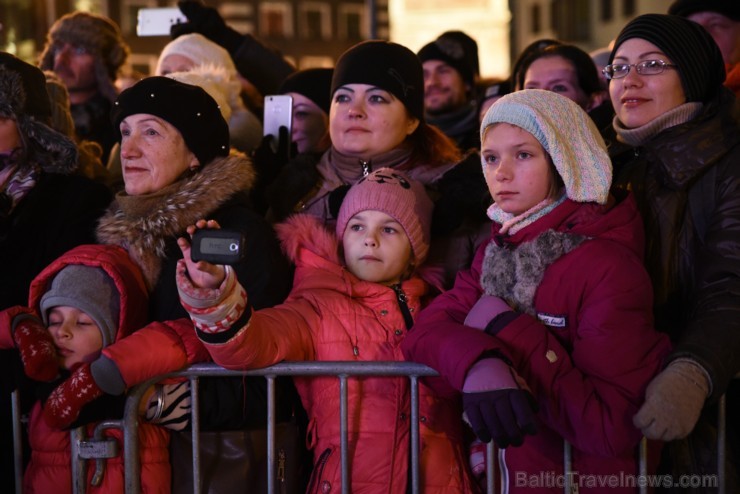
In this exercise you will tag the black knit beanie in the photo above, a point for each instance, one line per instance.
(687, 44)
(22, 88)
(728, 8)
(456, 49)
(389, 66)
(314, 84)
(190, 109)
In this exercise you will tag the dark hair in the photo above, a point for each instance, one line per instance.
(430, 146)
(588, 76)
(517, 71)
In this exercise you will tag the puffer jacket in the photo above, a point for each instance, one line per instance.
(331, 315)
(696, 280)
(582, 339)
(49, 469)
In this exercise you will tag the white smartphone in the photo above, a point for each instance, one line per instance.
(158, 21)
(278, 112)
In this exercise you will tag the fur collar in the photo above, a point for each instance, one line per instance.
(145, 226)
(515, 273)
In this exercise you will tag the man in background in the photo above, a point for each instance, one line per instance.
(87, 51)
(451, 70)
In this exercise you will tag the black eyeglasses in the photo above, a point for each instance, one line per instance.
(647, 67)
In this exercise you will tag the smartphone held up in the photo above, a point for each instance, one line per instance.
(158, 21)
(278, 112)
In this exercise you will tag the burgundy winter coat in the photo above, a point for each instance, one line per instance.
(50, 467)
(583, 341)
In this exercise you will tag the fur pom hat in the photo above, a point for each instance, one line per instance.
(99, 35)
(188, 108)
(89, 289)
(199, 49)
(395, 194)
(25, 100)
(697, 57)
(389, 66)
(567, 134)
(456, 49)
(314, 84)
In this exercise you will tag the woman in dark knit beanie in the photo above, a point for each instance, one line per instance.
(377, 120)
(677, 149)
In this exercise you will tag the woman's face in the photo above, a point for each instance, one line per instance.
(640, 99)
(9, 138)
(366, 121)
(175, 63)
(310, 123)
(153, 154)
(558, 75)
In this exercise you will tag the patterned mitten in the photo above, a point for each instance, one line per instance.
(65, 403)
(36, 347)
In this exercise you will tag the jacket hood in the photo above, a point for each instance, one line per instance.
(125, 274)
(314, 249)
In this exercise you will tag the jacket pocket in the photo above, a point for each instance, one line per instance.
(314, 486)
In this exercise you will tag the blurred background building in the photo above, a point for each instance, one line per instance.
(314, 32)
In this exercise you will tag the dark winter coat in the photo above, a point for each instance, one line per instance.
(696, 277)
(583, 338)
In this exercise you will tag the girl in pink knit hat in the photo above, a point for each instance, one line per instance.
(356, 293)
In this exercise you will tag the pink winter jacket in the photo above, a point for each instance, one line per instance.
(583, 341)
(331, 315)
(50, 467)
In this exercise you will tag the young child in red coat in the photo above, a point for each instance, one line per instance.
(87, 299)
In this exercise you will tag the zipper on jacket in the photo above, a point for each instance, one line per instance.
(402, 303)
(281, 470)
(318, 470)
(366, 167)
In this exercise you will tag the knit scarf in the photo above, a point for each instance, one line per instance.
(513, 223)
(639, 135)
(15, 181)
(143, 224)
(458, 124)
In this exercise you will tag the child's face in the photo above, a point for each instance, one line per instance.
(76, 336)
(376, 247)
(516, 167)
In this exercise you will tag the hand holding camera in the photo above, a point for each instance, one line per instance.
(208, 251)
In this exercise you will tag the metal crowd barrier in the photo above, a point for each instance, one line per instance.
(99, 449)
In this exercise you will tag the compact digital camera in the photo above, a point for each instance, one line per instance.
(217, 246)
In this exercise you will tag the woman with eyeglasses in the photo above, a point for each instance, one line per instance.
(678, 150)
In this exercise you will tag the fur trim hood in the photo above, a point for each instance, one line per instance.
(52, 151)
(144, 224)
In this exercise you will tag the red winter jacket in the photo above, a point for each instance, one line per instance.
(49, 469)
(583, 341)
(330, 315)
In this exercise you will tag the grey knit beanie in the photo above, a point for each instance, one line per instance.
(567, 134)
(89, 289)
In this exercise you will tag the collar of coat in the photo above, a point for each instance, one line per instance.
(515, 273)
(145, 226)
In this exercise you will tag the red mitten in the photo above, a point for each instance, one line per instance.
(65, 403)
(36, 346)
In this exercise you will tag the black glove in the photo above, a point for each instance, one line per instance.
(498, 404)
(270, 157)
(208, 22)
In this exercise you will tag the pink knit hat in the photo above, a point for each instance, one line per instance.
(396, 195)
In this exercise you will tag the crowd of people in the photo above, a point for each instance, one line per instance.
(559, 246)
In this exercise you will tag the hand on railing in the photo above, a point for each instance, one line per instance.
(65, 403)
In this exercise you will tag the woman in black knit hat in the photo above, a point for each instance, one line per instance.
(377, 120)
(677, 149)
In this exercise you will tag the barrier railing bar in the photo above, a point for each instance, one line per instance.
(15, 411)
(271, 434)
(642, 462)
(414, 390)
(721, 445)
(490, 467)
(194, 435)
(343, 439)
(77, 464)
(567, 468)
